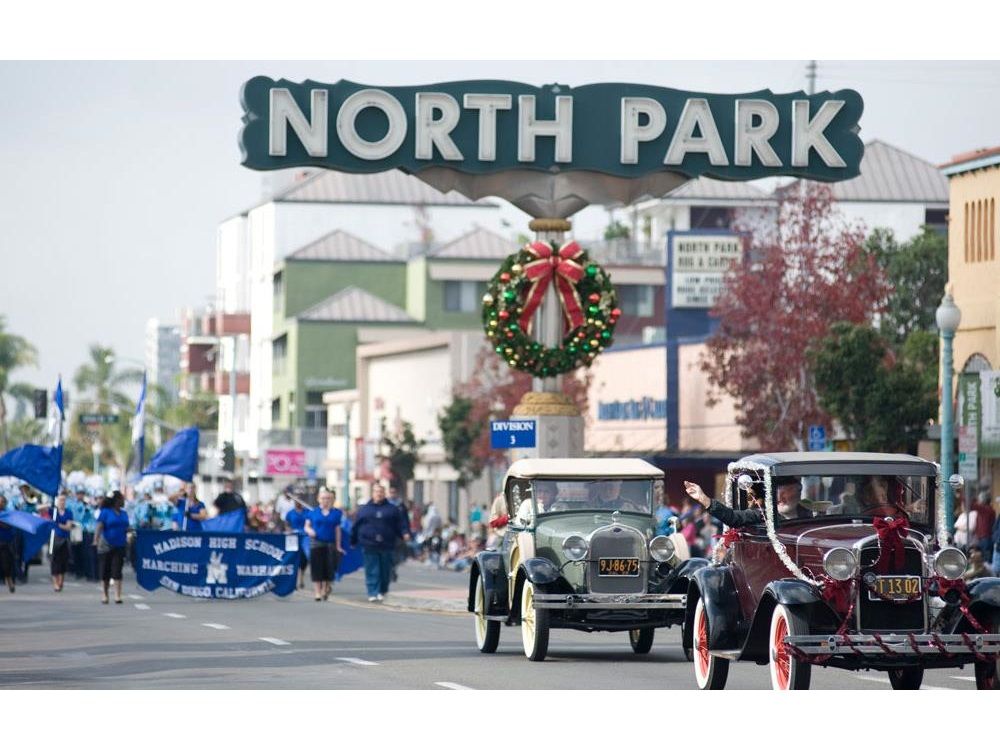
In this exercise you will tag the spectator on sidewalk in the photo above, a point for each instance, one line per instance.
(400, 553)
(432, 534)
(977, 567)
(376, 528)
(498, 521)
(59, 557)
(322, 524)
(982, 534)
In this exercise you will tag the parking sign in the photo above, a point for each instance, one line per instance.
(817, 437)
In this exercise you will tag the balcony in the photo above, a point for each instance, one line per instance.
(197, 357)
(625, 252)
(299, 437)
(232, 324)
(220, 383)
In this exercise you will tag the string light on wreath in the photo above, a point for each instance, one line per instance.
(588, 300)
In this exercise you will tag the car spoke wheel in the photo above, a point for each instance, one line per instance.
(906, 678)
(787, 673)
(534, 625)
(641, 639)
(986, 671)
(709, 671)
(487, 631)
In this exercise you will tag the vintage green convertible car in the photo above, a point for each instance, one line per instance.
(581, 552)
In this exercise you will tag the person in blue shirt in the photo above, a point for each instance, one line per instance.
(59, 557)
(111, 539)
(322, 524)
(6, 549)
(296, 520)
(377, 527)
(190, 510)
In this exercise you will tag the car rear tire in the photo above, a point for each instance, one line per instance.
(787, 673)
(987, 677)
(906, 678)
(710, 671)
(487, 631)
(641, 639)
(534, 625)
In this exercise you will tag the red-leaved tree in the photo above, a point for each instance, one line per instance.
(803, 271)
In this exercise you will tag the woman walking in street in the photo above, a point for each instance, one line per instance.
(323, 527)
(111, 538)
(59, 557)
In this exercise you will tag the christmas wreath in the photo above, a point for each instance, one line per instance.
(588, 300)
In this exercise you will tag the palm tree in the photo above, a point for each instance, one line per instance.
(100, 382)
(15, 351)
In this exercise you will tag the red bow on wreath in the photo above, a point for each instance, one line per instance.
(564, 268)
(891, 533)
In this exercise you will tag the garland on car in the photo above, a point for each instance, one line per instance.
(588, 300)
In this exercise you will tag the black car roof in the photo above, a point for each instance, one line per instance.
(846, 462)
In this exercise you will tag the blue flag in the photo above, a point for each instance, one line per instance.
(35, 530)
(58, 416)
(38, 465)
(178, 457)
(232, 522)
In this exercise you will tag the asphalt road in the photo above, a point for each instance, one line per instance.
(160, 640)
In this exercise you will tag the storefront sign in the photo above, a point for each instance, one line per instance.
(635, 409)
(969, 412)
(698, 264)
(480, 127)
(989, 423)
(285, 461)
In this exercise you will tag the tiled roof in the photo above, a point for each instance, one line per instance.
(978, 159)
(341, 245)
(705, 188)
(392, 187)
(891, 175)
(358, 306)
(476, 244)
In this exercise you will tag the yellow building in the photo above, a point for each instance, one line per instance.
(974, 274)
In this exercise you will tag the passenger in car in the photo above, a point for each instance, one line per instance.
(788, 490)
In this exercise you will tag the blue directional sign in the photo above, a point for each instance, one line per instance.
(513, 433)
(817, 437)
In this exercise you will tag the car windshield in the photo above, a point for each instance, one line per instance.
(626, 495)
(853, 496)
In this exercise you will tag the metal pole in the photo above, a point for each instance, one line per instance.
(347, 456)
(947, 430)
(232, 395)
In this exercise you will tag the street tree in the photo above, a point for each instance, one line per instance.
(880, 399)
(458, 435)
(15, 352)
(801, 272)
(400, 447)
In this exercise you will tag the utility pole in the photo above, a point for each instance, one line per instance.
(811, 76)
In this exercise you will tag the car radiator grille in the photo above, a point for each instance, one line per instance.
(617, 541)
(885, 616)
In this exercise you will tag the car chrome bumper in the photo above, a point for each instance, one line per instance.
(894, 645)
(610, 601)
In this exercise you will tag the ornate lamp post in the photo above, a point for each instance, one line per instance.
(948, 317)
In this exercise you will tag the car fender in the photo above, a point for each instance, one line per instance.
(985, 591)
(676, 581)
(489, 565)
(794, 594)
(540, 571)
(714, 584)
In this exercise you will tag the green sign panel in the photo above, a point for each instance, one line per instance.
(481, 127)
(96, 419)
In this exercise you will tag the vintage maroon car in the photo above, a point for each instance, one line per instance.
(850, 569)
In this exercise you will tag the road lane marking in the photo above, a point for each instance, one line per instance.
(359, 662)
(142, 606)
(275, 641)
(962, 677)
(215, 626)
(135, 596)
(175, 615)
(452, 686)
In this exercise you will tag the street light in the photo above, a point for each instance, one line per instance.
(96, 448)
(948, 317)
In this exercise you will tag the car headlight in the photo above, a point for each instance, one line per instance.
(661, 548)
(840, 564)
(575, 547)
(950, 563)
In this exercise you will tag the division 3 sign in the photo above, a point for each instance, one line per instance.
(513, 433)
(478, 127)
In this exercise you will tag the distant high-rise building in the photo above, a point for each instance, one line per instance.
(163, 355)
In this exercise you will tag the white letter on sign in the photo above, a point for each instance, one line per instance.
(371, 150)
(487, 104)
(696, 113)
(528, 128)
(284, 112)
(434, 132)
(807, 134)
(633, 132)
(755, 138)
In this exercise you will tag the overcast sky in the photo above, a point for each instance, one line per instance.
(115, 175)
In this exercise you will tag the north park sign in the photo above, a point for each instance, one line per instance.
(482, 127)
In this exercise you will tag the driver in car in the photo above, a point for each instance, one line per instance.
(609, 497)
(787, 489)
(545, 496)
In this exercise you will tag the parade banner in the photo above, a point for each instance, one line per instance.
(989, 424)
(211, 565)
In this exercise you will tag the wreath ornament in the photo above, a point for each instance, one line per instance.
(588, 300)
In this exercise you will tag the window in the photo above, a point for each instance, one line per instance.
(636, 300)
(980, 242)
(279, 292)
(276, 410)
(711, 217)
(315, 411)
(463, 296)
(279, 354)
(936, 219)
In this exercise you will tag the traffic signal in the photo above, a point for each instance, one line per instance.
(228, 462)
(41, 403)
